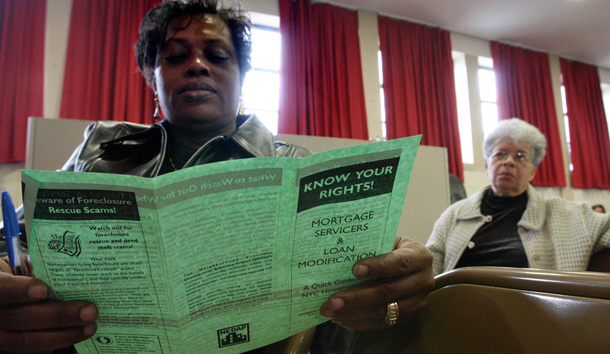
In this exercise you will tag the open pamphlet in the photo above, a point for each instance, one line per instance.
(218, 258)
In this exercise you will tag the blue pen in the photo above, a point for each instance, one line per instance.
(11, 233)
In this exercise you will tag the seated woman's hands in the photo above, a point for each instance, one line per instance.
(403, 276)
(32, 323)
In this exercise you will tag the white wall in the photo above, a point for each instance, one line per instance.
(58, 16)
(10, 180)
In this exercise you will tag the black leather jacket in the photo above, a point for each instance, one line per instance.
(139, 150)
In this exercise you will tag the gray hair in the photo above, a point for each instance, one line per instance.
(517, 131)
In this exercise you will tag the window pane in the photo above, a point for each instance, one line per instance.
(380, 66)
(463, 107)
(265, 49)
(381, 96)
(261, 90)
(268, 118)
(564, 105)
(606, 98)
(384, 131)
(489, 113)
(486, 62)
(487, 85)
(566, 123)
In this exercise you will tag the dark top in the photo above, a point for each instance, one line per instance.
(497, 242)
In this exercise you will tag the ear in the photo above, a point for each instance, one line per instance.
(533, 174)
(149, 76)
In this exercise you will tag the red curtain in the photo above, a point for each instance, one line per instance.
(102, 80)
(523, 86)
(588, 126)
(419, 87)
(321, 90)
(22, 28)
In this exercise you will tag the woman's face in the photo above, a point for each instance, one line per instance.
(510, 168)
(196, 74)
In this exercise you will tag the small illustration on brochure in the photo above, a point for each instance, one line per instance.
(68, 243)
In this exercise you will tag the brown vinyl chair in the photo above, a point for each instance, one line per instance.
(500, 311)
(510, 310)
(296, 344)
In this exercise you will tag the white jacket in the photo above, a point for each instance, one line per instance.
(556, 233)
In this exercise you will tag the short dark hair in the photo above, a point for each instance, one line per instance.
(153, 30)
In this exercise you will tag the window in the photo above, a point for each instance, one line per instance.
(606, 99)
(261, 89)
(463, 106)
(381, 101)
(487, 94)
(482, 72)
(566, 123)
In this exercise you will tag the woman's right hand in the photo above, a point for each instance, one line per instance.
(32, 323)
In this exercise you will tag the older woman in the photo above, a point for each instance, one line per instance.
(194, 56)
(508, 223)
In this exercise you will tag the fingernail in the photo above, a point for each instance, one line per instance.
(37, 291)
(89, 329)
(361, 270)
(88, 314)
(337, 322)
(327, 313)
(337, 304)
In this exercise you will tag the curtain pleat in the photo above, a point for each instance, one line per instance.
(321, 89)
(419, 86)
(523, 86)
(22, 30)
(102, 80)
(589, 141)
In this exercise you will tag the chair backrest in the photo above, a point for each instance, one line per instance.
(51, 141)
(456, 188)
(504, 311)
(509, 310)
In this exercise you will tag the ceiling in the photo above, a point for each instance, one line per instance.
(574, 29)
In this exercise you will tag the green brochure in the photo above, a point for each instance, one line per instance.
(219, 258)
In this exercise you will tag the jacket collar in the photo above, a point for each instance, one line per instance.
(251, 135)
(532, 219)
(534, 215)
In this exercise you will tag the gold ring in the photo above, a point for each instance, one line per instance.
(392, 315)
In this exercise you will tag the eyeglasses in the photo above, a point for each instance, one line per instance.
(518, 157)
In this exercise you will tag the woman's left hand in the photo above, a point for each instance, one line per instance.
(403, 276)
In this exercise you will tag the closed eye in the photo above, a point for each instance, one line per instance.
(176, 59)
(217, 56)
